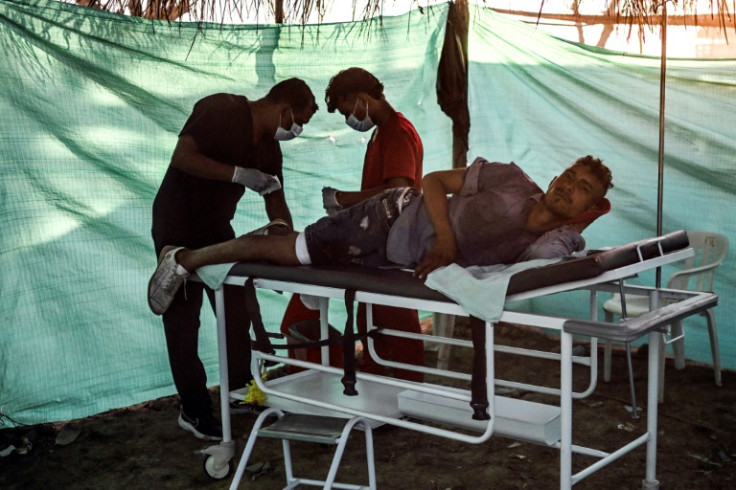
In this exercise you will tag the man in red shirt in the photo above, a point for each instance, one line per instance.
(393, 159)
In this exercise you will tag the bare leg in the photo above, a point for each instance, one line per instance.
(280, 249)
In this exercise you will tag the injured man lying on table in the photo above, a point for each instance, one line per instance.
(496, 215)
(495, 218)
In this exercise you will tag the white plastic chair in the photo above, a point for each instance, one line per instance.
(697, 274)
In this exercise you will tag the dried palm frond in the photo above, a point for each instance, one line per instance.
(278, 11)
(642, 14)
(633, 12)
(639, 14)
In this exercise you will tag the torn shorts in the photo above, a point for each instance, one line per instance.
(358, 234)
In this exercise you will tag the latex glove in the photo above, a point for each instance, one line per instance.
(256, 180)
(329, 200)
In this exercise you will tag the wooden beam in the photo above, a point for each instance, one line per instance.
(701, 20)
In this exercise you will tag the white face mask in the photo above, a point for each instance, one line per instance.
(356, 123)
(284, 135)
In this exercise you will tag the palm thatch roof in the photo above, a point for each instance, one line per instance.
(644, 13)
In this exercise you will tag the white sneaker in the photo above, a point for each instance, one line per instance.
(165, 281)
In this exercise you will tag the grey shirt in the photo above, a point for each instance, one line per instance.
(488, 217)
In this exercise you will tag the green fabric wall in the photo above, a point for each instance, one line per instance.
(90, 107)
(543, 102)
(91, 104)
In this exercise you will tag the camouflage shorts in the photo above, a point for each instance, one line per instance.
(358, 234)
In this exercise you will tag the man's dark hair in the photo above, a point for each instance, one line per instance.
(294, 92)
(351, 81)
(597, 168)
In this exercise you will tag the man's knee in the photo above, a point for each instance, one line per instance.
(286, 251)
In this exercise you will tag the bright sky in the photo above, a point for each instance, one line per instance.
(348, 10)
(335, 10)
(691, 42)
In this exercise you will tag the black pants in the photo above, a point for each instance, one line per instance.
(191, 212)
(181, 326)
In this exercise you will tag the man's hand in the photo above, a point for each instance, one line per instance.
(329, 200)
(442, 253)
(256, 180)
(279, 229)
(275, 227)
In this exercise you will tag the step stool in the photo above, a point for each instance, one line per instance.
(309, 428)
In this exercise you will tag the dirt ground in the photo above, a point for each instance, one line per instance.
(142, 447)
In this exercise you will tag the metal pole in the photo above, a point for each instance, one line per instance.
(651, 482)
(278, 11)
(660, 163)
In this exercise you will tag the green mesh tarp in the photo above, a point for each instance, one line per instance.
(90, 107)
(543, 102)
(91, 104)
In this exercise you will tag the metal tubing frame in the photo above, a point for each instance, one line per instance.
(224, 376)
(291, 480)
(590, 361)
(421, 387)
(566, 446)
(566, 327)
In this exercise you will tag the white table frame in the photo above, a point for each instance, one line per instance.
(680, 304)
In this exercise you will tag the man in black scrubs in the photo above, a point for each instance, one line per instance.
(228, 144)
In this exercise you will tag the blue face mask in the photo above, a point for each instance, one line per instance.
(356, 123)
(284, 135)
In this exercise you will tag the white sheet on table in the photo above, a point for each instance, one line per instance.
(480, 290)
(214, 275)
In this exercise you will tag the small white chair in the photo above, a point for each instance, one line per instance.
(696, 274)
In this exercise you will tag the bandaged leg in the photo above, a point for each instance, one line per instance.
(300, 249)
(311, 302)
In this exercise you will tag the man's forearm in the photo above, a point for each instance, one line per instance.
(276, 207)
(349, 198)
(435, 187)
(436, 203)
(189, 159)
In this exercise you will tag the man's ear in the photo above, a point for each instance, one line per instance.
(283, 114)
(365, 100)
(365, 97)
(601, 207)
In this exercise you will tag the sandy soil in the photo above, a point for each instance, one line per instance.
(142, 447)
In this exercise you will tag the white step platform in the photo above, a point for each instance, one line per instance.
(516, 419)
(372, 397)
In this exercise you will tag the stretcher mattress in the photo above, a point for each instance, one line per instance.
(397, 282)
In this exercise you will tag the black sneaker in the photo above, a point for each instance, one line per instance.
(204, 427)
